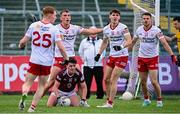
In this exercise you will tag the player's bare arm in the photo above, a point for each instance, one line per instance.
(169, 39)
(55, 87)
(166, 46)
(62, 50)
(128, 40)
(102, 48)
(83, 90)
(91, 31)
(103, 45)
(133, 42)
(23, 42)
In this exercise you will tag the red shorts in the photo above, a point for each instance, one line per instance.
(145, 64)
(57, 62)
(38, 70)
(117, 61)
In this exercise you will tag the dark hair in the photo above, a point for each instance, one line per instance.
(72, 60)
(64, 10)
(48, 10)
(176, 19)
(115, 11)
(146, 13)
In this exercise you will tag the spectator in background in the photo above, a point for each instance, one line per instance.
(43, 35)
(88, 49)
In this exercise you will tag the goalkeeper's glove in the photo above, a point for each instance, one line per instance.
(83, 103)
(118, 48)
(96, 58)
(174, 59)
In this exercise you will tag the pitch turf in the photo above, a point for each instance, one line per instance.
(9, 104)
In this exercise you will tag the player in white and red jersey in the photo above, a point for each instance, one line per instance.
(148, 57)
(69, 34)
(65, 84)
(117, 34)
(43, 35)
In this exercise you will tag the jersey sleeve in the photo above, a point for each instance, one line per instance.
(81, 76)
(29, 31)
(136, 34)
(125, 30)
(106, 34)
(159, 33)
(59, 78)
(57, 35)
(79, 29)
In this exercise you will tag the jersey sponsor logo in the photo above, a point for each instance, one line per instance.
(69, 85)
(116, 38)
(45, 28)
(69, 37)
(148, 40)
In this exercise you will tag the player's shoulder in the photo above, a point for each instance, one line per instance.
(122, 25)
(57, 25)
(78, 72)
(34, 24)
(140, 28)
(107, 27)
(62, 72)
(156, 28)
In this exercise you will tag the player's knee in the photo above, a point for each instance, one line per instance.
(49, 105)
(143, 83)
(154, 82)
(107, 80)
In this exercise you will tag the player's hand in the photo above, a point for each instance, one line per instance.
(83, 103)
(174, 59)
(96, 58)
(117, 48)
(21, 46)
(65, 62)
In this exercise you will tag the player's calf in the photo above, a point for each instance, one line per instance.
(22, 102)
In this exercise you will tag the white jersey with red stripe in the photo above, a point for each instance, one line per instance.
(42, 46)
(149, 41)
(117, 38)
(69, 36)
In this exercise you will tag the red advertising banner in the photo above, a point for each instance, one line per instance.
(13, 70)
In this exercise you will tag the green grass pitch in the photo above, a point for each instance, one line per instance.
(9, 104)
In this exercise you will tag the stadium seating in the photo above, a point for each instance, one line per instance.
(16, 24)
